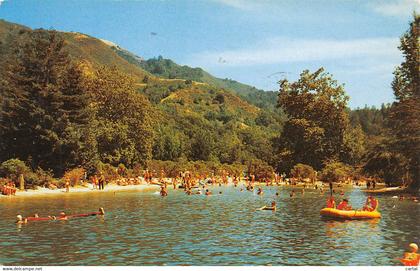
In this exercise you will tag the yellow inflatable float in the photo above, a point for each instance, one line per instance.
(352, 214)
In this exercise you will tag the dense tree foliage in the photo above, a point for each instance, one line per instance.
(53, 117)
(45, 109)
(405, 112)
(124, 119)
(315, 130)
(302, 171)
(63, 113)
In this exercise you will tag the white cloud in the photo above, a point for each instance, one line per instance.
(286, 50)
(396, 7)
(1, 1)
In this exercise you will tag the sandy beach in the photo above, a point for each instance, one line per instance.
(41, 191)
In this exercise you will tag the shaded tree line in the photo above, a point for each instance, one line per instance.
(54, 115)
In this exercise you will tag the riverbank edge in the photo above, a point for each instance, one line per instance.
(81, 190)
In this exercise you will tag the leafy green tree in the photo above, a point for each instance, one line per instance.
(302, 171)
(317, 120)
(260, 169)
(124, 119)
(335, 171)
(354, 145)
(405, 112)
(169, 143)
(229, 148)
(45, 112)
(12, 168)
(202, 145)
(384, 163)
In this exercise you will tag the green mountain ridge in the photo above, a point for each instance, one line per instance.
(90, 51)
(167, 68)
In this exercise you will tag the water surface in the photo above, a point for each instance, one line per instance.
(141, 228)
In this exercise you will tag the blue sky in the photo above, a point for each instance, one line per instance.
(255, 42)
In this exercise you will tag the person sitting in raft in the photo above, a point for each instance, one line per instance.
(330, 202)
(411, 258)
(208, 193)
(344, 205)
(272, 207)
(260, 191)
(21, 220)
(371, 204)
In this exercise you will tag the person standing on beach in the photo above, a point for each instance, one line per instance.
(67, 185)
(101, 182)
(95, 182)
(174, 182)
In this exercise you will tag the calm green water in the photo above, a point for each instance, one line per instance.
(141, 228)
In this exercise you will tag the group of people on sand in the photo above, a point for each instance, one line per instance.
(371, 204)
(8, 188)
(371, 184)
(62, 216)
(98, 182)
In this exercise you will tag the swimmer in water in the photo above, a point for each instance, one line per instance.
(208, 193)
(220, 192)
(292, 194)
(271, 208)
(277, 193)
(411, 258)
(163, 191)
(21, 220)
(101, 211)
(260, 191)
(62, 216)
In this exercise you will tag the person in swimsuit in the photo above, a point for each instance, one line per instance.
(411, 258)
(272, 207)
(344, 205)
(62, 216)
(21, 220)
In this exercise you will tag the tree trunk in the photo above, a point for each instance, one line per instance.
(21, 182)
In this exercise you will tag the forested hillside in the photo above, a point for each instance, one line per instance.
(70, 100)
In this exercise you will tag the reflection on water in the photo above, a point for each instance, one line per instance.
(141, 228)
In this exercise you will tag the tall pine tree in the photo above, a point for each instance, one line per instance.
(405, 112)
(45, 110)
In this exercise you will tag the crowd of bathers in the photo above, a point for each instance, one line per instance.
(7, 187)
